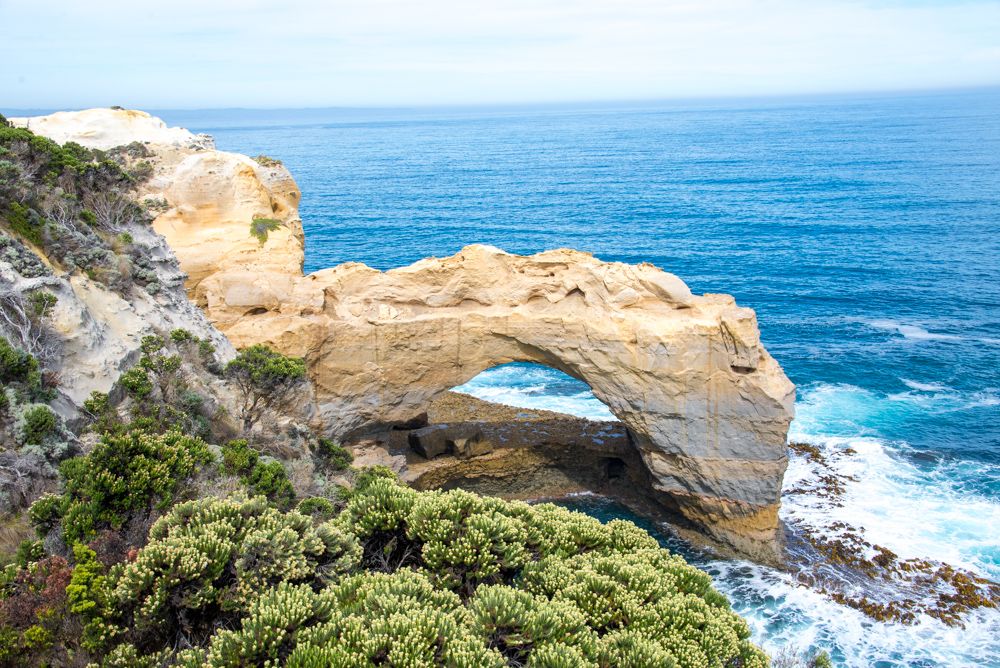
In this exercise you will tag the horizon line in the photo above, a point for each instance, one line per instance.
(762, 97)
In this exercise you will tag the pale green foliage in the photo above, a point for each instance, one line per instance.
(399, 619)
(221, 554)
(419, 579)
(259, 227)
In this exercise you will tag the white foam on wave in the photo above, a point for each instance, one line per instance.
(924, 387)
(536, 387)
(924, 510)
(917, 511)
(783, 613)
(912, 332)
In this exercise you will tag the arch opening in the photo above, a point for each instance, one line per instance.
(522, 430)
(537, 387)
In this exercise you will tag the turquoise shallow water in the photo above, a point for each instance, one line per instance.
(865, 231)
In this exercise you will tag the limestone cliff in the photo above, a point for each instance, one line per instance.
(705, 405)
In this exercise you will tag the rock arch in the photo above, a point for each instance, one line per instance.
(705, 404)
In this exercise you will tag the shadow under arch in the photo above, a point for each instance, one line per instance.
(539, 433)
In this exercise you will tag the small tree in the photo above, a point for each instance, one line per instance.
(265, 378)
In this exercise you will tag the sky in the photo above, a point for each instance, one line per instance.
(186, 54)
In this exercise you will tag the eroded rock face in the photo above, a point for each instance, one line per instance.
(705, 404)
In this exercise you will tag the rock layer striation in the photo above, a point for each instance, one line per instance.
(703, 402)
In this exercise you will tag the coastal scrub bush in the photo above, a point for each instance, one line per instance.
(45, 513)
(136, 383)
(265, 378)
(42, 303)
(471, 582)
(209, 560)
(317, 506)
(38, 422)
(268, 479)
(24, 261)
(124, 474)
(333, 455)
(32, 613)
(102, 415)
(16, 366)
(259, 228)
(267, 161)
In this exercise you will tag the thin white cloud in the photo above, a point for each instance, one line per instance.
(388, 52)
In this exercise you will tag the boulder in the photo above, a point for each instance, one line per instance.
(429, 442)
(457, 439)
(466, 448)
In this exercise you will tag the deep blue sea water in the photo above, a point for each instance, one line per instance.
(865, 231)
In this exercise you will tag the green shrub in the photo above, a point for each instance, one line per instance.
(182, 336)
(136, 383)
(205, 348)
(316, 506)
(25, 221)
(89, 596)
(473, 582)
(151, 344)
(42, 302)
(123, 474)
(16, 366)
(259, 228)
(37, 424)
(822, 660)
(103, 416)
(268, 479)
(267, 161)
(207, 561)
(265, 379)
(271, 480)
(334, 455)
(238, 458)
(45, 513)
(28, 551)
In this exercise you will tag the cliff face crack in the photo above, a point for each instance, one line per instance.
(708, 413)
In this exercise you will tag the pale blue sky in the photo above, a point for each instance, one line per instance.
(296, 53)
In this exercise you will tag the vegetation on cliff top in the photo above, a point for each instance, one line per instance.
(396, 577)
(75, 205)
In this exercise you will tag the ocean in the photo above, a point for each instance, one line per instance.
(864, 231)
